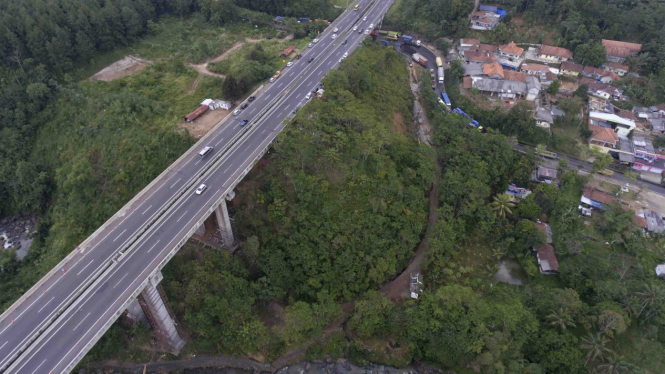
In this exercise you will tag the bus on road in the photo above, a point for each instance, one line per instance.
(439, 62)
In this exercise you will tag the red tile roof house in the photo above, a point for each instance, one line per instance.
(547, 261)
(616, 68)
(571, 69)
(603, 137)
(479, 57)
(554, 54)
(535, 69)
(618, 51)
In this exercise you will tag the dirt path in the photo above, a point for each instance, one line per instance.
(194, 85)
(399, 288)
(203, 67)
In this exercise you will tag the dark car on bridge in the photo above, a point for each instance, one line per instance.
(251, 98)
(244, 122)
(310, 59)
(243, 106)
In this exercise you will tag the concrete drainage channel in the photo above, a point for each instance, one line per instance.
(157, 217)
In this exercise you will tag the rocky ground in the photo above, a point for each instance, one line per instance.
(19, 231)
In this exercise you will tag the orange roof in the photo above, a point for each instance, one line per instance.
(599, 196)
(480, 56)
(620, 49)
(511, 48)
(617, 66)
(641, 222)
(603, 134)
(571, 66)
(546, 252)
(470, 41)
(467, 82)
(606, 73)
(493, 69)
(627, 114)
(555, 51)
(511, 75)
(485, 20)
(535, 67)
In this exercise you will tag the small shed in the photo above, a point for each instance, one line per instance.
(219, 104)
(195, 114)
(287, 51)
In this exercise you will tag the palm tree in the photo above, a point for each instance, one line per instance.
(614, 365)
(649, 296)
(595, 346)
(560, 320)
(502, 205)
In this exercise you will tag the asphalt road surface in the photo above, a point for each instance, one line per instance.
(575, 164)
(60, 346)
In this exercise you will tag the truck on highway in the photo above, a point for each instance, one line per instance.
(440, 73)
(411, 40)
(417, 57)
(393, 35)
(439, 62)
(446, 99)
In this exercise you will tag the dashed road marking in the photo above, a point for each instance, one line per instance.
(42, 308)
(79, 273)
(147, 209)
(79, 324)
(116, 285)
(117, 237)
(176, 182)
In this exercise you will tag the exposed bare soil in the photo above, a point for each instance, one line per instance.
(204, 123)
(121, 68)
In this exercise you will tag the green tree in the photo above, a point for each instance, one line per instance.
(528, 208)
(502, 205)
(553, 89)
(231, 88)
(582, 91)
(593, 54)
(602, 160)
(616, 365)
(595, 346)
(371, 316)
(560, 319)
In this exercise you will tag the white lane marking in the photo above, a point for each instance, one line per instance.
(329, 62)
(81, 321)
(267, 96)
(42, 308)
(264, 130)
(252, 111)
(280, 84)
(117, 237)
(107, 234)
(116, 285)
(197, 162)
(152, 247)
(33, 355)
(178, 220)
(147, 209)
(79, 273)
(225, 170)
(236, 126)
(4, 345)
(176, 182)
(220, 140)
(40, 365)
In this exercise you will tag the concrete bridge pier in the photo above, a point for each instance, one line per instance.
(224, 222)
(159, 316)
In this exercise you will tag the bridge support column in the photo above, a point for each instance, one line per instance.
(136, 314)
(222, 214)
(157, 313)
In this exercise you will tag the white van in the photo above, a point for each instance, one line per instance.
(204, 152)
